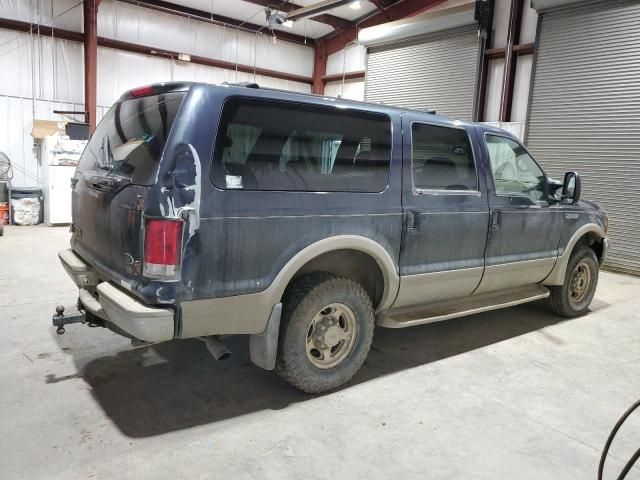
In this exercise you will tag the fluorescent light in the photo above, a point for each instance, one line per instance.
(355, 5)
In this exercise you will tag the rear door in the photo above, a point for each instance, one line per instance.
(446, 212)
(115, 171)
(525, 227)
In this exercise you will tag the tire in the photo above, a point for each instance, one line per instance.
(331, 315)
(572, 299)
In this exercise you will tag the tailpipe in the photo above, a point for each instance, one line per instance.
(216, 348)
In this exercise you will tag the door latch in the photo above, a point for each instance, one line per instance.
(413, 221)
(495, 220)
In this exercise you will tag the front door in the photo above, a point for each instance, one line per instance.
(525, 227)
(446, 212)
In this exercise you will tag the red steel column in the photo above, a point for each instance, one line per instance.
(90, 60)
(319, 68)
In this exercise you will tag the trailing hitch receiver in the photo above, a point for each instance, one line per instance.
(60, 319)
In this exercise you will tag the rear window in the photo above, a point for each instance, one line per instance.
(130, 138)
(274, 145)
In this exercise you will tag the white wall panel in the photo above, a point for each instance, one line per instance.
(521, 85)
(16, 50)
(351, 59)
(352, 89)
(494, 90)
(56, 72)
(500, 23)
(66, 14)
(529, 24)
(134, 24)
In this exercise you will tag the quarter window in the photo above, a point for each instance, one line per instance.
(514, 171)
(272, 145)
(442, 158)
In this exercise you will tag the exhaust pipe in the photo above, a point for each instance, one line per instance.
(216, 347)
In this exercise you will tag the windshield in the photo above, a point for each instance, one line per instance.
(129, 140)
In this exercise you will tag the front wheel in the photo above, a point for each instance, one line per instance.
(326, 332)
(572, 299)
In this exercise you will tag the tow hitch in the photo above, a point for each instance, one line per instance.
(60, 319)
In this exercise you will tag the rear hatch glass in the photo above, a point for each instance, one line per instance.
(128, 143)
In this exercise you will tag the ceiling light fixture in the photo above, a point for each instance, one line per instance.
(355, 5)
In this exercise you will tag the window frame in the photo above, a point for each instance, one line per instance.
(493, 181)
(444, 191)
(278, 101)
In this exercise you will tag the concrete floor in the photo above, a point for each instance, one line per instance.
(517, 393)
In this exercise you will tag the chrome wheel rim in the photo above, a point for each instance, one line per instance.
(331, 336)
(580, 283)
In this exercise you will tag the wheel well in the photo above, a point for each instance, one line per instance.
(591, 240)
(352, 264)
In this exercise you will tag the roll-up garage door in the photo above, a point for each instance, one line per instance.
(436, 72)
(585, 112)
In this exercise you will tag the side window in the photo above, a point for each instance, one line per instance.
(442, 158)
(276, 145)
(514, 171)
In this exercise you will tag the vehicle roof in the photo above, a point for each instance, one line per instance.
(253, 89)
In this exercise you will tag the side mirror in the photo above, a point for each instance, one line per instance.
(571, 188)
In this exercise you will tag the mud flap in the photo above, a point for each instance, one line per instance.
(263, 347)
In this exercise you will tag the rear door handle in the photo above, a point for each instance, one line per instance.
(413, 221)
(495, 220)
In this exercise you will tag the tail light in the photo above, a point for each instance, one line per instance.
(162, 247)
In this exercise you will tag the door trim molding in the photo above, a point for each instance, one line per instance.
(429, 287)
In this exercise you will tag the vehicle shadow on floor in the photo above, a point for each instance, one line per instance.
(177, 385)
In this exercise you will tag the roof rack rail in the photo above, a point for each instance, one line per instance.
(426, 110)
(242, 84)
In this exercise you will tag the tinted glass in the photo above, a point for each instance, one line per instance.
(442, 158)
(130, 138)
(514, 171)
(272, 145)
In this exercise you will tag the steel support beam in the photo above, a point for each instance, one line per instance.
(316, 8)
(62, 34)
(484, 67)
(319, 69)
(202, 15)
(210, 62)
(343, 76)
(90, 61)
(334, 42)
(328, 19)
(510, 57)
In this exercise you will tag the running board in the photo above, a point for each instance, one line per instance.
(444, 310)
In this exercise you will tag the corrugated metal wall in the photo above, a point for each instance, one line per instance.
(585, 112)
(438, 72)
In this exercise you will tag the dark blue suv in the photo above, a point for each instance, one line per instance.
(302, 221)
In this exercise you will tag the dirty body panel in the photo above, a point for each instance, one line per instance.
(238, 240)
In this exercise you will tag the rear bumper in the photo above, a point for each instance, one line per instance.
(150, 324)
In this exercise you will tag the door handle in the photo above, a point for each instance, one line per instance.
(495, 220)
(413, 221)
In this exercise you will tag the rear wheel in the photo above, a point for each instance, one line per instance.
(572, 299)
(327, 330)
